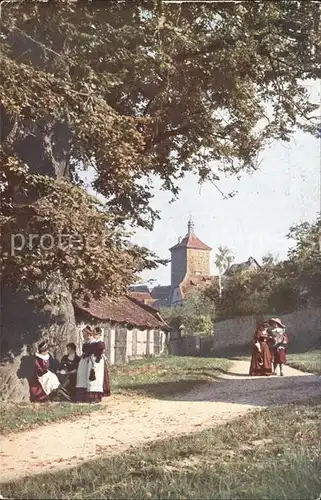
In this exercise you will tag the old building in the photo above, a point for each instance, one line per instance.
(190, 256)
(189, 286)
(249, 265)
(190, 273)
(131, 329)
(190, 267)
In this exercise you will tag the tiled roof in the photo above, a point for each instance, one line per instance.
(124, 310)
(191, 241)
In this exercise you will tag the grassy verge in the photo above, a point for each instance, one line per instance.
(309, 361)
(269, 454)
(158, 377)
(165, 376)
(16, 417)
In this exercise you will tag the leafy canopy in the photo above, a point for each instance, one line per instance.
(196, 314)
(141, 90)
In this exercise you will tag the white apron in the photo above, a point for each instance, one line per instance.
(82, 373)
(49, 382)
(98, 384)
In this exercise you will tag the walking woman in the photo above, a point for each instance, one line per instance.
(261, 362)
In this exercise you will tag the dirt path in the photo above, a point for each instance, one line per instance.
(131, 422)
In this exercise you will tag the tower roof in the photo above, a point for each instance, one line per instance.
(191, 240)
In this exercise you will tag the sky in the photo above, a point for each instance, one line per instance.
(285, 191)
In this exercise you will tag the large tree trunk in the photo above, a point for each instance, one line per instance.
(23, 324)
(46, 150)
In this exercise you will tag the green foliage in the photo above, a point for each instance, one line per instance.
(277, 287)
(62, 231)
(304, 259)
(139, 91)
(223, 258)
(196, 315)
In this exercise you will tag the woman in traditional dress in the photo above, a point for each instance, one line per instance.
(43, 383)
(261, 362)
(68, 368)
(95, 380)
(281, 341)
(106, 386)
(83, 367)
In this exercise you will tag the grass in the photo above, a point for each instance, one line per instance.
(165, 376)
(270, 454)
(16, 417)
(159, 377)
(309, 361)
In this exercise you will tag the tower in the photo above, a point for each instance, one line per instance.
(190, 256)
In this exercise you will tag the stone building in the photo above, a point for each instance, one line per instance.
(190, 256)
(190, 273)
(131, 329)
(190, 267)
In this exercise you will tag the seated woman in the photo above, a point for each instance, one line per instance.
(261, 362)
(68, 369)
(43, 383)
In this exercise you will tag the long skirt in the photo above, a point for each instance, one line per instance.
(37, 394)
(279, 356)
(261, 362)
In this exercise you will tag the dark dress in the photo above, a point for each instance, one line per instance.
(261, 362)
(92, 395)
(37, 394)
(69, 380)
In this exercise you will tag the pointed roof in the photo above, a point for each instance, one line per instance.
(191, 240)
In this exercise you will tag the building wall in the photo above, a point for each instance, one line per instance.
(178, 265)
(124, 344)
(176, 297)
(198, 262)
(303, 327)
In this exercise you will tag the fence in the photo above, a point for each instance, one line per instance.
(192, 345)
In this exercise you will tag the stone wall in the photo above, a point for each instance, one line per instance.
(235, 335)
(198, 262)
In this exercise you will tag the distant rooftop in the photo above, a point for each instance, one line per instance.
(251, 263)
